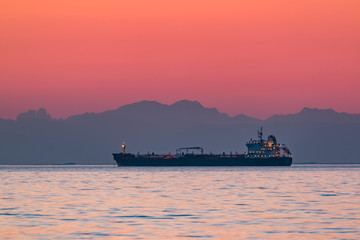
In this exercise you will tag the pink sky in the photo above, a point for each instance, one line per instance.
(254, 57)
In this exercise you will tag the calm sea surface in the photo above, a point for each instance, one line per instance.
(107, 202)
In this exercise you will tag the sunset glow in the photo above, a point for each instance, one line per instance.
(253, 57)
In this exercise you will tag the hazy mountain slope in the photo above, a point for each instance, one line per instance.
(313, 135)
(319, 135)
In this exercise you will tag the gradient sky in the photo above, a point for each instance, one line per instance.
(253, 56)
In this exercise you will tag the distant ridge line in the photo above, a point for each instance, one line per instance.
(42, 113)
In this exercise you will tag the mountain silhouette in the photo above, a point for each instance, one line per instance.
(313, 135)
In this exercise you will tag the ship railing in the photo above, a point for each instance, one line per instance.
(189, 154)
(149, 155)
(218, 155)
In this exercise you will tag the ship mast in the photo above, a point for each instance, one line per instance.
(260, 133)
(123, 147)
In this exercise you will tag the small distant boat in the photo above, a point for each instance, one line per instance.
(261, 152)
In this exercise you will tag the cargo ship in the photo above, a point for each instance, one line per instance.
(261, 152)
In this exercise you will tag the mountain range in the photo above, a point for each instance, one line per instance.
(313, 135)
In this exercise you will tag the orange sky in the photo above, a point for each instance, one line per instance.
(254, 57)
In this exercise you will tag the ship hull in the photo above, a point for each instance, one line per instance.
(198, 160)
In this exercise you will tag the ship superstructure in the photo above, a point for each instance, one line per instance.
(269, 148)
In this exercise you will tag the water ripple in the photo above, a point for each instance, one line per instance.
(103, 202)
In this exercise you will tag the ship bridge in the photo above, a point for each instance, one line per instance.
(262, 148)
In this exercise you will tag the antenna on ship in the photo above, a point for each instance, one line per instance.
(123, 145)
(260, 133)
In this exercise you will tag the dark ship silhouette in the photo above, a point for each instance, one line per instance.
(261, 152)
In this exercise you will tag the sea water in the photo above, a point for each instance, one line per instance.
(108, 202)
